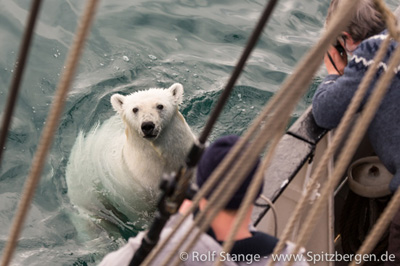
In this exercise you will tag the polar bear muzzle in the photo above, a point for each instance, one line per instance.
(148, 129)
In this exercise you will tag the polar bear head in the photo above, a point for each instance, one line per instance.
(148, 112)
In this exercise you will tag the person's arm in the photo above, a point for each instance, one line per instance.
(334, 95)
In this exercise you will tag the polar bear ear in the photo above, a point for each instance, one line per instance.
(117, 100)
(177, 92)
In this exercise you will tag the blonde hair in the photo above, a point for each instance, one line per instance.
(367, 20)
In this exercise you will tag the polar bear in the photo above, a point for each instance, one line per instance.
(116, 168)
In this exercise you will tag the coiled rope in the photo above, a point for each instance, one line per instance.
(49, 130)
(271, 205)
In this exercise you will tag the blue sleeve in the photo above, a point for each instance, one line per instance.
(334, 95)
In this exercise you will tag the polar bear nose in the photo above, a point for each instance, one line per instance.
(147, 128)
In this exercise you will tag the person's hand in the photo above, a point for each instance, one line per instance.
(339, 61)
(186, 205)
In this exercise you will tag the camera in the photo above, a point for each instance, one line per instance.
(339, 48)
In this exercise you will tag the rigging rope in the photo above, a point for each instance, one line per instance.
(350, 146)
(231, 182)
(394, 204)
(272, 130)
(217, 110)
(49, 130)
(252, 192)
(238, 70)
(337, 140)
(378, 230)
(389, 17)
(18, 73)
(224, 190)
(340, 133)
(293, 88)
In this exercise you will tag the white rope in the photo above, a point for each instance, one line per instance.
(274, 213)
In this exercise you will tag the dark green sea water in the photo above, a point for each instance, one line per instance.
(133, 45)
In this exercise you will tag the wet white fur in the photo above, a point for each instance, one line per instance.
(114, 162)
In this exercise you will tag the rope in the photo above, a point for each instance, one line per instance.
(357, 218)
(209, 203)
(217, 110)
(377, 231)
(18, 72)
(238, 70)
(232, 181)
(216, 200)
(225, 190)
(251, 151)
(298, 80)
(389, 17)
(394, 205)
(293, 88)
(341, 130)
(275, 214)
(251, 193)
(210, 183)
(48, 132)
(340, 133)
(350, 146)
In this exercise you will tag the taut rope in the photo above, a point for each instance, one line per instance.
(293, 88)
(19, 69)
(394, 204)
(49, 130)
(379, 229)
(350, 147)
(237, 71)
(337, 140)
(217, 110)
(352, 143)
(252, 191)
(282, 104)
(390, 19)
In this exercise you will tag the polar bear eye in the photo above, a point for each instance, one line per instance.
(135, 110)
(160, 107)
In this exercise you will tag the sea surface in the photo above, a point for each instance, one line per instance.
(133, 45)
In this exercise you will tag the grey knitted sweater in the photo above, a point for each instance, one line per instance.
(335, 93)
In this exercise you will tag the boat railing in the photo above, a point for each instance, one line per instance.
(295, 149)
(265, 131)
